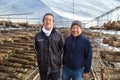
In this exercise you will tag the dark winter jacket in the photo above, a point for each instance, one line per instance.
(77, 53)
(48, 51)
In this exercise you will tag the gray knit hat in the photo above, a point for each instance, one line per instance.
(76, 22)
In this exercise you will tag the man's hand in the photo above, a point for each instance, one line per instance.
(85, 75)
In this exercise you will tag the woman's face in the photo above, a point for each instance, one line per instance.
(48, 22)
(75, 30)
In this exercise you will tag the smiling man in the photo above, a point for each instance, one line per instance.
(48, 47)
(77, 57)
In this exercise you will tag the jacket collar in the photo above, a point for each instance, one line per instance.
(53, 30)
(76, 36)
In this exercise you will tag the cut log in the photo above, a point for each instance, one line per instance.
(114, 44)
(111, 56)
(110, 73)
(16, 60)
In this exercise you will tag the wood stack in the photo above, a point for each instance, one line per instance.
(94, 27)
(108, 73)
(17, 57)
(112, 25)
(112, 41)
(111, 56)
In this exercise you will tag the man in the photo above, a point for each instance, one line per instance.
(77, 55)
(48, 47)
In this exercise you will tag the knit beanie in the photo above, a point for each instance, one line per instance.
(76, 22)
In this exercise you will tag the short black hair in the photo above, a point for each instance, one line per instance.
(48, 14)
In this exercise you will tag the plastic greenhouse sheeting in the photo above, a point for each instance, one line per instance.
(65, 9)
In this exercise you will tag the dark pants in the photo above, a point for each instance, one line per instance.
(52, 76)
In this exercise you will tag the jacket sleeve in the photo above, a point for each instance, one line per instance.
(88, 57)
(61, 44)
(35, 45)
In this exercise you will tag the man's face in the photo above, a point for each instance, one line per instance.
(48, 22)
(75, 30)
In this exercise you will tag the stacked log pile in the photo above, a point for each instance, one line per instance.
(18, 24)
(18, 60)
(65, 32)
(95, 27)
(17, 57)
(112, 41)
(112, 25)
(109, 69)
(111, 56)
(109, 73)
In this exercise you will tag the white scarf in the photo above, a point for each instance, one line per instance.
(47, 33)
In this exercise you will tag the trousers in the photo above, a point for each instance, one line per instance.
(71, 74)
(51, 76)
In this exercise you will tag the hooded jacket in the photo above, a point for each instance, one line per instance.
(48, 50)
